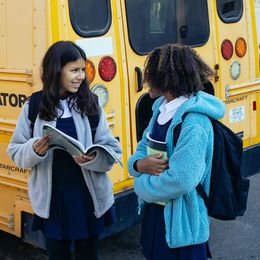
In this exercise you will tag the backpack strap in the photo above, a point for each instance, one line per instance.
(93, 121)
(199, 187)
(177, 130)
(34, 102)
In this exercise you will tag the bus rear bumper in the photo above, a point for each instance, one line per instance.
(251, 160)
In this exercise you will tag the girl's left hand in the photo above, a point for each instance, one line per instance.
(83, 158)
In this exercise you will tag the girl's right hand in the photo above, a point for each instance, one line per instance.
(153, 164)
(41, 145)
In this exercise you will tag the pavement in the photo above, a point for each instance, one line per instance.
(239, 239)
(229, 240)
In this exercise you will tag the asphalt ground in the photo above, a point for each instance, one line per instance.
(239, 239)
(229, 240)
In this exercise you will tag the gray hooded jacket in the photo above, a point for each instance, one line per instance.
(21, 152)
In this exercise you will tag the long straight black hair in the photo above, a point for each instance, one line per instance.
(56, 57)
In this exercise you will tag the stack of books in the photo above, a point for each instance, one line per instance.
(156, 147)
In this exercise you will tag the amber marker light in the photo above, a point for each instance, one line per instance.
(240, 47)
(90, 70)
(227, 49)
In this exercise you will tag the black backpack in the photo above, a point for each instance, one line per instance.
(228, 189)
(34, 102)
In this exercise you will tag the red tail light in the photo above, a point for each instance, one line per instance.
(227, 49)
(107, 68)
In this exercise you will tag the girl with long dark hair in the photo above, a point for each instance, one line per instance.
(72, 197)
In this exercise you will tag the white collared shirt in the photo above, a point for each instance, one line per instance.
(168, 109)
(66, 110)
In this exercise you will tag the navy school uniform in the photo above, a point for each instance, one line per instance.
(153, 225)
(71, 210)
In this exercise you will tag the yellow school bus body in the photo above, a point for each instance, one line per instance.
(26, 31)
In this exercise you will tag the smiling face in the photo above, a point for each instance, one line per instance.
(72, 75)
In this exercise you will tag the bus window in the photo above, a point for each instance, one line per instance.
(152, 23)
(90, 17)
(230, 11)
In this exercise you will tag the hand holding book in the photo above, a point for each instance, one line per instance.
(153, 164)
(41, 145)
(156, 147)
(156, 161)
(84, 158)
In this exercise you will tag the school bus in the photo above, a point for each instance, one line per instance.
(116, 36)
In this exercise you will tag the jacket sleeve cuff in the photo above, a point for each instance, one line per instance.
(135, 165)
(132, 167)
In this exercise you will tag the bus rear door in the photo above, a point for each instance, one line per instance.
(152, 23)
(239, 74)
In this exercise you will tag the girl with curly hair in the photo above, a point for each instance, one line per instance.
(175, 221)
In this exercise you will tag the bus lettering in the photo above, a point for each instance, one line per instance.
(12, 99)
(14, 168)
(237, 99)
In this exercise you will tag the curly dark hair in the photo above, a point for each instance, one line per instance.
(176, 69)
(56, 57)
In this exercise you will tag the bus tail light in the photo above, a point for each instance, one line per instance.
(90, 71)
(235, 70)
(107, 68)
(227, 49)
(240, 47)
(101, 91)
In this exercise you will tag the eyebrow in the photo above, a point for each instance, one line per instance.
(77, 67)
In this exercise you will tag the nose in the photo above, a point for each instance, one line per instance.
(81, 75)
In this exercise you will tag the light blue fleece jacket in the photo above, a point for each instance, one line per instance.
(100, 187)
(185, 214)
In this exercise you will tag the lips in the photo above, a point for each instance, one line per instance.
(76, 84)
